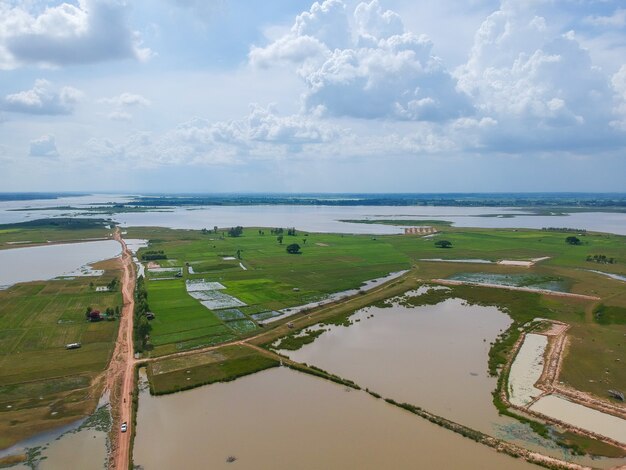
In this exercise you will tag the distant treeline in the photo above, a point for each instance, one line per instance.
(61, 222)
(559, 200)
(564, 229)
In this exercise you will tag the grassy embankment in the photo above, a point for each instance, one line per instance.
(40, 231)
(43, 385)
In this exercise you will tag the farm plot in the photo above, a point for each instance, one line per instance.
(209, 295)
(164, 273)
(230, 314)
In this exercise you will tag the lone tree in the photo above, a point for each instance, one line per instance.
(443, 244)
(280, 239)
(573, 241)
(293, 249)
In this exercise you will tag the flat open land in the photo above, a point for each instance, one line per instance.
(43, 385)
(214, 300)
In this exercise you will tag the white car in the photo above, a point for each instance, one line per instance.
(124, 426)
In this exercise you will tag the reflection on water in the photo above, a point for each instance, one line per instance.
(49, 261)
(281, 419)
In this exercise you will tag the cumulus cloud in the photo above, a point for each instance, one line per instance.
(122, 104)
(619, 87)
(67, 34)
(127, 99)
(43, 98)
(44, 146)
(263, 133)
(368, 68)
(538, 83)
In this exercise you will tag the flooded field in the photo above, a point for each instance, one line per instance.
(434, 357)
(314, 424)
(566, 411)
(512, 280)
(82, 445)
(526, 370)
(39, 263)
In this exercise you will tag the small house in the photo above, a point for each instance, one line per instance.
(95, 315)
(72, 346)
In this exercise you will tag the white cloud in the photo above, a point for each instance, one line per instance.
(44, 146)
(370, 69)
(373, 22)
(619, 86)
(616, 20)
(119, 116)
(261, 134)
(540, 85)
(127, 99)
(43, 98)
(91, 31)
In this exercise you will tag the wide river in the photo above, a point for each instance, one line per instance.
(316, 218)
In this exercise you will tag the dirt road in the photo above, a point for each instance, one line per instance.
(120, 376)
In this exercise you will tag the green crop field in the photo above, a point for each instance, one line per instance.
(42, 384)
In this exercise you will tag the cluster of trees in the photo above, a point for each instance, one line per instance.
(293, 249)
(573, 240)
(110, 314)
(443, 244)
(235, 231)
(113, 284)
(601, 259)
(142, 325)
(207, 231)
(152, 255)
(279, 231)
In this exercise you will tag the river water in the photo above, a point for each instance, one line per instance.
(316, 218)
(282, 419)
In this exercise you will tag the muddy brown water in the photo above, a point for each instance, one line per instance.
(282, 419)
(431, 356)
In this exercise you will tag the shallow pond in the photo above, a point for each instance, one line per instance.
(38, 263)
(282, 419)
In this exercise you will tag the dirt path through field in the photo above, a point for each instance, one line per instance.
(120, 375)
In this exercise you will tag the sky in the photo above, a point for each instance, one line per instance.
(300, 96)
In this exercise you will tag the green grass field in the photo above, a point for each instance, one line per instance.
(39, 231)
(222, 365)
(42, 384)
